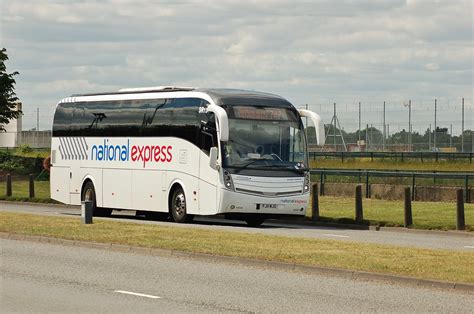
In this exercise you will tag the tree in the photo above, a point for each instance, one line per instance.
(8, 99)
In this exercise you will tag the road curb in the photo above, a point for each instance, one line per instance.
(327, 271)
(38, 204)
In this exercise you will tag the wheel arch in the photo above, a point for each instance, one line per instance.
(175, 184)
(89, 178)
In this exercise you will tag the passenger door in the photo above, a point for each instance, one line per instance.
(208, 177)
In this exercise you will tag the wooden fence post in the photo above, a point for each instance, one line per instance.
(9, 184)
(32, 186)
(460, 222)
(359, 212)
(408, 221)
(315, 205)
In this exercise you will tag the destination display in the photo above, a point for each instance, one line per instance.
(255, 113)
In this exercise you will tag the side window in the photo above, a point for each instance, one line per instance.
(62, 120)
(109, 118)
(208, 131)
(174, 117)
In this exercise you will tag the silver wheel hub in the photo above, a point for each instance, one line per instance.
(88, 195)
(180, 204)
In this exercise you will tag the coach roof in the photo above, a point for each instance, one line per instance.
(220, 96)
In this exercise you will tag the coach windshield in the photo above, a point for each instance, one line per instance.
(265, 138)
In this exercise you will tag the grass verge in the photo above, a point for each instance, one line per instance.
(420, 263)
(20, 192)
(426, 215)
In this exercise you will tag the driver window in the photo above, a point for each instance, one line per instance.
(208, 132)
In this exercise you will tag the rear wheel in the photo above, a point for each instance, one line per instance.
(178, 207)
(88, 194)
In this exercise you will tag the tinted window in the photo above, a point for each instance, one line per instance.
(157, 117)
(175, 117)
(208, 133)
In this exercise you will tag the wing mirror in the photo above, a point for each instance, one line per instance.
(213, 159)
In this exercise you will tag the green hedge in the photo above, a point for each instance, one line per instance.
(19, 164)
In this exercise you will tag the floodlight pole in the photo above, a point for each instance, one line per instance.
(359, 121)
(462, 127)
(384, 128)
(409, 125)
(335, 146)
(434, 135)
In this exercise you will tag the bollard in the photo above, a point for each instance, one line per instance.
(359, 212)
(367, 185)
(408, 219)
(321, 188)
(32, 186)
(315, 207)
(86, 212)
(9, 185)
(460, 222)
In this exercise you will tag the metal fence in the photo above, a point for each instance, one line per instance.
(399, 156)
(365, 176)
(402, 124)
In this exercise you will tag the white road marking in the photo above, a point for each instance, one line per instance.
(138, 294)
(469, 246)
(335, 235)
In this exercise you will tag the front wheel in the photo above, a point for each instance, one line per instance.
(88, 194)
(178, 207)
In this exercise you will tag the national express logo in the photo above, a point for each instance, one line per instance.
(110, 152)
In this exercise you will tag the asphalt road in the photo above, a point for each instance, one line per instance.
(39, 277)
(421, 240)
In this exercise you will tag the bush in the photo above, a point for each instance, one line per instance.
(20, 165)
(25, 149)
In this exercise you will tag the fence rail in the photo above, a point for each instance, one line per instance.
(403, 156)
(367, 174)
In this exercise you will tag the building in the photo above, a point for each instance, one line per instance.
(13, 129)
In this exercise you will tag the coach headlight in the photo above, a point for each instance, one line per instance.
(306, 182)
(228, 181)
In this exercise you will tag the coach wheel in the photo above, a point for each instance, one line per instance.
(254, 221)
(178, 207)
(88, 194)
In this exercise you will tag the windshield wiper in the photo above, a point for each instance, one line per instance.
(247, 164)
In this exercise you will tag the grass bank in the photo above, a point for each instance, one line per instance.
(426, 215)
(419, 263)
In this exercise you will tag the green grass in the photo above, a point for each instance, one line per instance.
(366, 163)
(426, 215)
(20, 191)
(420, 263)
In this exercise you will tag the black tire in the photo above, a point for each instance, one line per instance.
(88, 194)
(178, 207)
(254, 221)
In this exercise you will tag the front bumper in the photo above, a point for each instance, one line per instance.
(233, 202)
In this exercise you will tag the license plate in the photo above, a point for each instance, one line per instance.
(269, 206)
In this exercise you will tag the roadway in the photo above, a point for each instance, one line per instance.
(41, 277)
(420, 240)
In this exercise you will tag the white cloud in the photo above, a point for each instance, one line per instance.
(304, 50)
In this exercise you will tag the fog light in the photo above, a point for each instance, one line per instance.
(228, 181)
(306, 182)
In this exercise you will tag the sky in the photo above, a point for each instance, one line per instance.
(310, 52)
